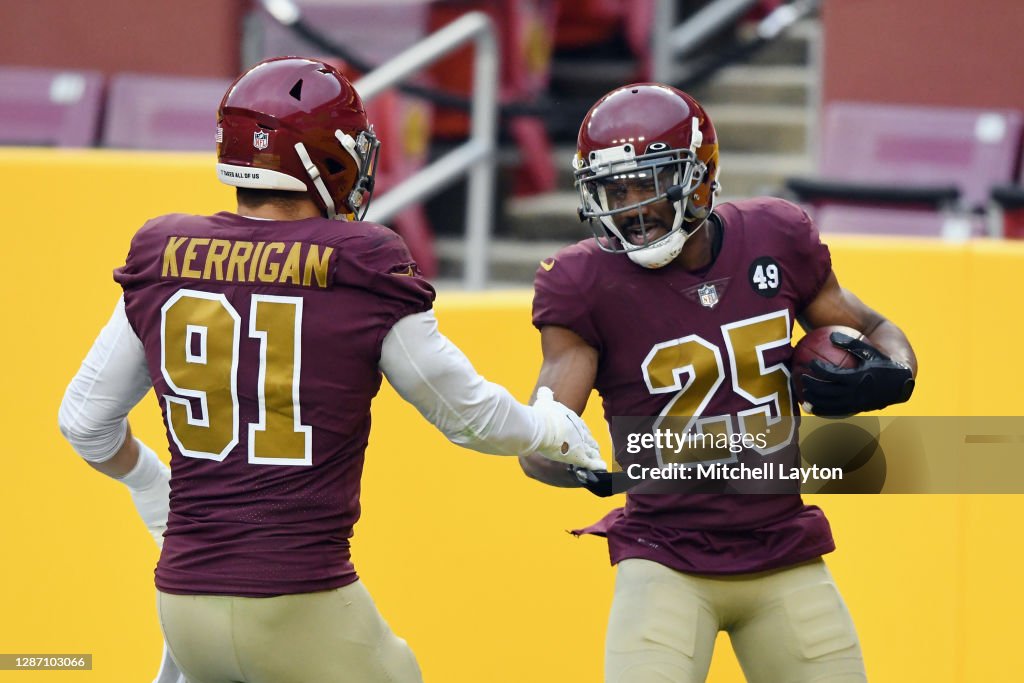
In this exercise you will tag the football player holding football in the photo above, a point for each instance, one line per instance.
(265, 334)
(681, 309)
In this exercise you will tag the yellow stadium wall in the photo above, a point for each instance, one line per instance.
(468, 560)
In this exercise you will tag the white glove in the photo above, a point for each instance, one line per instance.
(567, 438)
(150, 485)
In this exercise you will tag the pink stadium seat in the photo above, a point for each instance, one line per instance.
(49, 106)
(970, 148)
(162, 112)
(879, 221)
(914, 167)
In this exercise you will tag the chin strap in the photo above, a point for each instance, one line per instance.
(696, 137)
(318, 182)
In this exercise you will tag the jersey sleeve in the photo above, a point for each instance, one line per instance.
(378, 261)
(811, 257)
(111, 380)
(558, 299)
(140, 264)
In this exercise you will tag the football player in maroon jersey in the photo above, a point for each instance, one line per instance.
(681, 309)
(265, 334)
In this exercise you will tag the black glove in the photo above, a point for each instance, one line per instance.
(877, 382)
(602, 484)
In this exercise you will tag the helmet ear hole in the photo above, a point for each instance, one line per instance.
(333, 165)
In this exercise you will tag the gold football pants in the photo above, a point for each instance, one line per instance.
(327, 637)
(789, 625)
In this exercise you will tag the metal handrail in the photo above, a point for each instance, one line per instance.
(474, 158)
(671, 42)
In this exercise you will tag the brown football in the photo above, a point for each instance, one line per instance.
(817, 345)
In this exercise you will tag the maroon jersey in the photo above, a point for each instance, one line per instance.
(263, 340)
(708, 349)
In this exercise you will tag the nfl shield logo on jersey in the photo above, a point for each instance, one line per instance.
(708, 295)
(260, 139)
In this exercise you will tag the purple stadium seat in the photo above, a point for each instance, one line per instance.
(162, 112)
(901, 169)
(882, 221)
(973, 149)
(49, 106)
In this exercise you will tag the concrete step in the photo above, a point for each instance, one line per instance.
(750, 175)
(793, 47)
(589, 79)
(549, 216)
(790, 49)
(749, 84)
(761, 128)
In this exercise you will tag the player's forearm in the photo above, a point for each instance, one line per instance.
(547, 471)
(432, 374)
(890, 340)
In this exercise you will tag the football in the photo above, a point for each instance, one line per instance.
(817, 345)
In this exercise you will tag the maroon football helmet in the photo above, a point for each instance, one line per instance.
(297, 124)
(660, 138)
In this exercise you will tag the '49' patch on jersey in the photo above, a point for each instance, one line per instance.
(765, 276)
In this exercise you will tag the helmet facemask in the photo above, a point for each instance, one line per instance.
(660, 174)
(363, 151)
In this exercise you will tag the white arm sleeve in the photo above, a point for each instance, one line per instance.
(112, 379)
(431, 373)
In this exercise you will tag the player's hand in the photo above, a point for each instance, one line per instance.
(567, 439)
(602, 484)
(877, 382)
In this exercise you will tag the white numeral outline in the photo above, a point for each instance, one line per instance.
(203, 420)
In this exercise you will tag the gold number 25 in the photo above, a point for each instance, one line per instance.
(700, 362)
